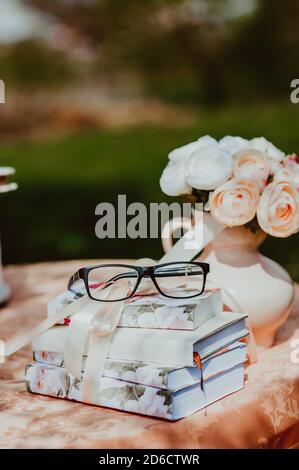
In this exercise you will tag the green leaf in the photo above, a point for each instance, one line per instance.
(253, 225)
(155, 306)
(189, 308)
(167, 397)
(145, 309)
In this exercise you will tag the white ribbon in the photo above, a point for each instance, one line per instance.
(102, 331)
(22, 340)
(94, 322)
(77, 334)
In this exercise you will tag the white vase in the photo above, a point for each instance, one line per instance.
(250, 281)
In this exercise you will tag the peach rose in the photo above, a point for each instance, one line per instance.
(251, 163)
(282, 174)
(235, 202)
(278, 210)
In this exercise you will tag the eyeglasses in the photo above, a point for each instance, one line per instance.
(168, 279)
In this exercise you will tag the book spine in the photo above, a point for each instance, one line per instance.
(121, 395)
(212, 305)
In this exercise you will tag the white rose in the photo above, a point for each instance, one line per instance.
(152, 404)
(173, 181)
(171, 317)
(181, 154)
(149, 375)
(208, 167)
(233, 144)
(262, 144)
(129, 376)
(147, 320)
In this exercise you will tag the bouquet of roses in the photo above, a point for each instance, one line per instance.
(238, 181)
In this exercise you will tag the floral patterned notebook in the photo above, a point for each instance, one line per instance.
(156, 311)
(127, 396)
(155, 375)
(160, 376)
(161, 346)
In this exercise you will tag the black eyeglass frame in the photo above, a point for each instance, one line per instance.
(142, 271)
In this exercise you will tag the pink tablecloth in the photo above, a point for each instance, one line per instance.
(264, 414)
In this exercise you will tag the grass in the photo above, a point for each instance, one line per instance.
(61, 180)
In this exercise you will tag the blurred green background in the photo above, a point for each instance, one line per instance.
(99, 91)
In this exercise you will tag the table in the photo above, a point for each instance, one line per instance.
(265, 414)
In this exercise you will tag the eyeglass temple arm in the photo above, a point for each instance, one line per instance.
(170, 272)
(120, 276)
(176, 273)
(75, 277)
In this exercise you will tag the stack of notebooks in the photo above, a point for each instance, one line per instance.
(168, 358)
